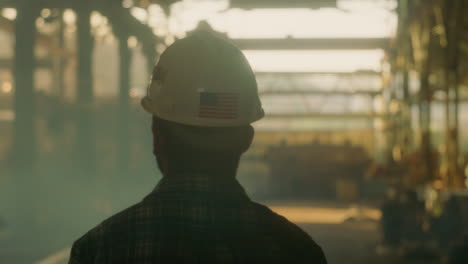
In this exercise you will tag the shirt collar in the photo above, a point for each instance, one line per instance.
(198, 186)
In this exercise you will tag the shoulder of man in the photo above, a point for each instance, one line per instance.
(300, 247)
(85, 249)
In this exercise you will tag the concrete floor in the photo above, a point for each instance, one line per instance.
(342, 241)
(346, 234)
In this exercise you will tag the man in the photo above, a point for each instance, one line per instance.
(458, 254)
(203, 98)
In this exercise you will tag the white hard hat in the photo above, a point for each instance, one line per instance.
(203, 80)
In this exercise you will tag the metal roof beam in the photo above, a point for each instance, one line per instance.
(41, 3)
(325, 116)
(321, 92)
(312, 44)
(300, 74)
(74, 3)
(250, 4)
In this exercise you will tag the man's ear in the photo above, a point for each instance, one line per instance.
(157, 133)
(249, 135)
(159, 146)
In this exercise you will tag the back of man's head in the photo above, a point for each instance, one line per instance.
(203, 97)
(183, 148)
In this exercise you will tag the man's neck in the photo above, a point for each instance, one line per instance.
(207, 165)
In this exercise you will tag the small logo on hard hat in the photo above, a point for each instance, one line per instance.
(218, 105)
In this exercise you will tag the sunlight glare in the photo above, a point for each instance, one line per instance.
(9, 13)
(314, 61)
(369, 20)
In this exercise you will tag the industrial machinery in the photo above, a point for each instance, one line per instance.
(316, 170)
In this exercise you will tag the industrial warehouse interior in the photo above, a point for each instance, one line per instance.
(364, 142)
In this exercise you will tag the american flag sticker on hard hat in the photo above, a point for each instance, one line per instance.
(218, 105)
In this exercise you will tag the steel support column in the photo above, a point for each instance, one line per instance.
(425, 101)
(86, 142)
(124, 104)
(453, 20)
(24, 141)
(24, 144)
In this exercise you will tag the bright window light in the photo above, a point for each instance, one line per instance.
(132, 42)
(9, 13)
(69, 17)
(97, 19)
(157, 20)
(369, 19)
(139, 13)
(186, 15)
(304, 23)
(314, 61)
(366, 5)
(127, 3)
(7, 87)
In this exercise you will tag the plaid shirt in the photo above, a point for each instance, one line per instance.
(196, 219)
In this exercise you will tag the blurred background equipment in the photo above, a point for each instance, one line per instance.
(316, 171)
(363, 142)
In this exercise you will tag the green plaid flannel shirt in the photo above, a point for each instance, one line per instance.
(196, 219)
